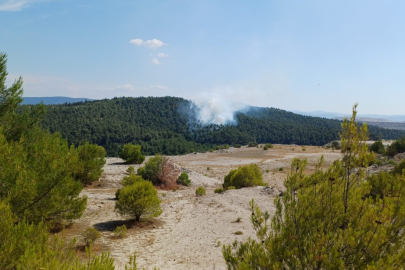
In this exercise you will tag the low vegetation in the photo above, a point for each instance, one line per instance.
(183, 179)
(90, 235)
(138, 200)
(244, 176)
(200, 191)
(132, 154)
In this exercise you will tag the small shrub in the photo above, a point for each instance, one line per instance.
(174, 189)
(238, 233)
(164, 194)
(392, 162)
(138, 199)
(231, 187)
(267, 171)
(131, 170)
(398, 169)
(237, 145)
(90, 235)
(219, 190)
(131, 179)
(121, 231)
(252, 144)
(183, 179)
(132, 154)
(304, 148)
(336, 145)
(200, 191)
(244, 176)
(211, 150)
(265, 148)
(208, 168)
(281, 169)
(239, 219)
(268, 145)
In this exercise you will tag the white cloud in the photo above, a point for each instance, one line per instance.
(17, 5)
(155, 61)
(152, 43)
(162, 55)
(159, 86)
(127, 87)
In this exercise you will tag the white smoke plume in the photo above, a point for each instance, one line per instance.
(216, 110)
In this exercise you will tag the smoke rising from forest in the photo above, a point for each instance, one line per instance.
(217, 110)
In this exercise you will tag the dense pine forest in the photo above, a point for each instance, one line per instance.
(169, 125)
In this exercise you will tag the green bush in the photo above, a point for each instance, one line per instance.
(265, 148)
(396, 147)
(131, 179)
(252, 144)
(90, 235)
(268, 145)
(132, 154)
(245, 176)
(231, 187)
(91, 160)
(121, 231)
(237, 145)
(280, 169)
(152, 169)
(378, 147)
(200, 191)
(335, 145)
(183, 179)
(398, 169)
(131, 170)
(219, 190)
(138, 200)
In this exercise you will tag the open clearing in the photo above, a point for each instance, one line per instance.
(191, 230)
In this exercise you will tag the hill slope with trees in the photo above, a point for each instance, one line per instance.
(168, 125)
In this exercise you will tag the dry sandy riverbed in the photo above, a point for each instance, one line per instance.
(191, 230)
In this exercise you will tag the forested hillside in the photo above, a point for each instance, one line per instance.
(167, 125)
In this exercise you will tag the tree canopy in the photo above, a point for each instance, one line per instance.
(170, 126)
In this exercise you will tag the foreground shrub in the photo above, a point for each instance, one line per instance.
(132, 154)
(200, 191)
(396, 147)
(219, 190)
(252, 144)
(90, 235)
(332, 219)
(131, 179)
(131, 170)
(377, 147)
(138, 200)
(91, 161)
(245, 176)
(183, 179)
(160, 170)
(399, 168)
(121, 231)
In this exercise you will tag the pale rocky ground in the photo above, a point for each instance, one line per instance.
(191, 230)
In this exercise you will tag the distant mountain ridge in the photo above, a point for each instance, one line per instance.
(363, 117)
(52, 100)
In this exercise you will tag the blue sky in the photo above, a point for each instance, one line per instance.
(294, 55)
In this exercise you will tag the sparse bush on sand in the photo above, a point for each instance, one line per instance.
(200, 191)
(90, 235)
(244, 176)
